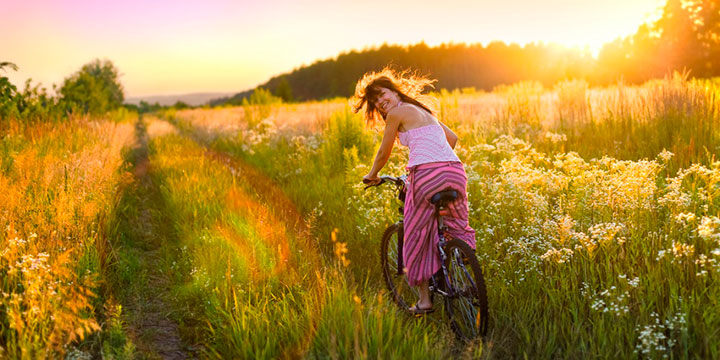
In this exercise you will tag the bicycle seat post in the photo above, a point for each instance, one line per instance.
(440, 200)
(440, 211)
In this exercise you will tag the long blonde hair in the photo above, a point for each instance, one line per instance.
(408, 85)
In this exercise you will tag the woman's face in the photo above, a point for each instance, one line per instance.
(386, 100)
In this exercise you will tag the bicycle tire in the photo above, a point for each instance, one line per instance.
(402, 293)
(468, 309)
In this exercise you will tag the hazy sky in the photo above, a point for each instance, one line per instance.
(182, 46)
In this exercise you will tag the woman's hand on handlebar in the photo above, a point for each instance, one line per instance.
(371, 180)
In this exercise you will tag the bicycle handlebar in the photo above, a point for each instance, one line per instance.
(399, 181)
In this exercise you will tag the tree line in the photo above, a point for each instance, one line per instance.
(94, 89)
(686, 37)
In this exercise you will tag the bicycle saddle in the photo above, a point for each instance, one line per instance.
(444, 197)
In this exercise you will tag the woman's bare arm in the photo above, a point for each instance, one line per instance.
(386, 146)
(449, 135)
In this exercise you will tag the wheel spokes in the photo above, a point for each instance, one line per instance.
(465, 315)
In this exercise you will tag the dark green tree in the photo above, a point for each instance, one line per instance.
(677, 43)
(704, 16)
(283, 90)
(180, 105)
(685, 37)
(8, 92)
(95, 89)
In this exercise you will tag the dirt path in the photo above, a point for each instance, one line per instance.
(146, 307)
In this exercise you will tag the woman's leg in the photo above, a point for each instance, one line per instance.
(424, 304)
(424, 290)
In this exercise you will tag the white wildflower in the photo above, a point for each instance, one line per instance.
(665, 155)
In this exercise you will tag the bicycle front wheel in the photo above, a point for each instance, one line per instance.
(466, 303)
(391, 259)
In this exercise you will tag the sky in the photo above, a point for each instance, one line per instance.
(164, 47)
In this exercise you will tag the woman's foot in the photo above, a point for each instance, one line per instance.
(424, 304)
(417, 309)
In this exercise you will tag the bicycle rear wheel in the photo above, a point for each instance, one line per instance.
(467, 305)
(403, 294)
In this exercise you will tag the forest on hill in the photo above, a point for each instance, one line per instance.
(686, 37)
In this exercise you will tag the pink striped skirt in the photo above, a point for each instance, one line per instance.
(420, 253)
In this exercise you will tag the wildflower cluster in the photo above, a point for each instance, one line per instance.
(707, 264)
(685, 219)
(665, 155)
(43, 291)
(614, 300)
(692, 190)
(605, 233)
(527, 252)
(657, 338)
(557, 256)
(677, 252)
(709, 228)
(555, 138)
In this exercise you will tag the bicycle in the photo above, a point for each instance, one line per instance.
(459, 281)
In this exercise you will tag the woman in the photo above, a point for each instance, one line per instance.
(432, 167)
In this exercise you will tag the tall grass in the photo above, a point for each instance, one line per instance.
(59, 183)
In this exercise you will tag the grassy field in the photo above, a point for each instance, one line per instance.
(59, 186)
(246, 232)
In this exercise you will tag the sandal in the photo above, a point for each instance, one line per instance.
(417, 311)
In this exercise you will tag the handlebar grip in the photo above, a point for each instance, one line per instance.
(365, 181)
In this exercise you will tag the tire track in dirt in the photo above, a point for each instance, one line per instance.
(152, 331)
(268, 204)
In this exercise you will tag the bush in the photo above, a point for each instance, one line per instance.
(32, 104)
(8, 92)
(95, 89)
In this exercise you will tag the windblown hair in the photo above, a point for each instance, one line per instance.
(407, 84)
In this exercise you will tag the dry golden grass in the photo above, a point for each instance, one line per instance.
(301, 118)
(57, 193)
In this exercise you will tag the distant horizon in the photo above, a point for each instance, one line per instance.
(192, 99)
(193, 92)
(165, 48)
(485, 44)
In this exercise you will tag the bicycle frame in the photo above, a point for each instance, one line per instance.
(443, 259)
(439, 210)
(443, 268)
(459, 285)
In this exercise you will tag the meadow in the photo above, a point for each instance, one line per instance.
(597, 213)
